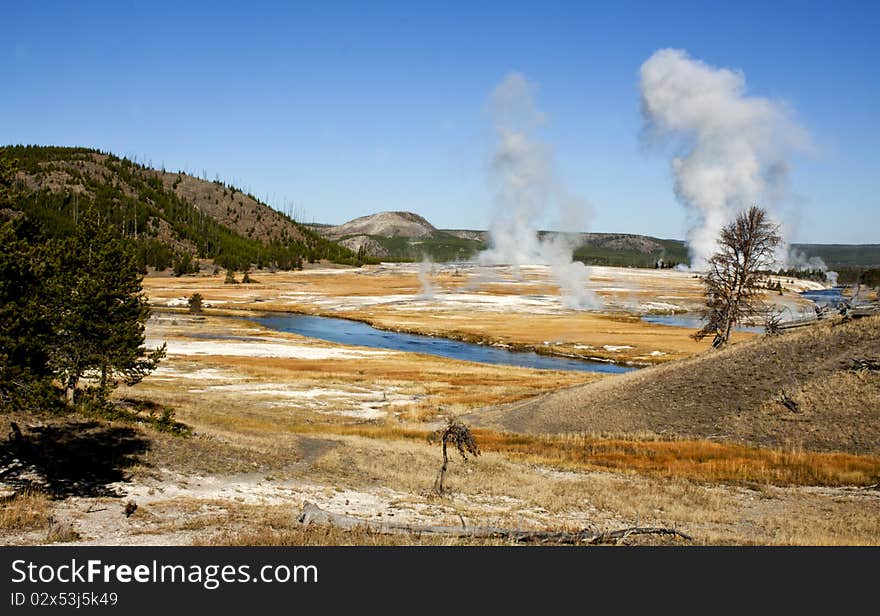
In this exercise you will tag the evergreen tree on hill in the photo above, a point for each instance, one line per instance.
(25, 326)
(72, 308)
(99, 310)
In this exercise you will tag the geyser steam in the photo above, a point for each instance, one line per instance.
(426, 269)
(733, 149)
(527, 192)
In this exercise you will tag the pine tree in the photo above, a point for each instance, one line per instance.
(195, 303)
(24, 319)
(100, 310)
(25, 327)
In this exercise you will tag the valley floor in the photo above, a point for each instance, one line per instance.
(519, 308)
(279, 420)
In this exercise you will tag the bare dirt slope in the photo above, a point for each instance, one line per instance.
(730, 395)
(232, 208)
(365, 243)
(386, 224)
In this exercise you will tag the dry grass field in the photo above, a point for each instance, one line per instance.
(732, 395)
(279, 419)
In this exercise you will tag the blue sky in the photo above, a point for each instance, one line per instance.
(344, 109)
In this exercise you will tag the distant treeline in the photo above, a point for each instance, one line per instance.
(843, 256)
(674, 253)
(816, 275)
(131, 198)
(868, 276)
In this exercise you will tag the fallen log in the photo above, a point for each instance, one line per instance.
(788, 402)
(857, 312)
(866, 363)
(312, 514)
(787, 325)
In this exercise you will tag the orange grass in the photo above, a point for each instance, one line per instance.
(697, 460)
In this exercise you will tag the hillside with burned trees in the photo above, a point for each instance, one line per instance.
(173, 218)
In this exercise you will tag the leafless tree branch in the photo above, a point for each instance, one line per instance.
(734, 277)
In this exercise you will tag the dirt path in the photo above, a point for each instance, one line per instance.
(177, 509)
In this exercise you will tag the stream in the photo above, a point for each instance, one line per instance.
(344, 331)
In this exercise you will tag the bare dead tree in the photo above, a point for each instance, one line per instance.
(773, 320)
(459, 435)
(734, 275)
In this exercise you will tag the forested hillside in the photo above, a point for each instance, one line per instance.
(171, 217)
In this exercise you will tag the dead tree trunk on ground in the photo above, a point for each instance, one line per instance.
(312, 514)
(788, 402)
(866, 363)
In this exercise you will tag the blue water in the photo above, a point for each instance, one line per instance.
(691, 321)
(343, 331)
(826, 297)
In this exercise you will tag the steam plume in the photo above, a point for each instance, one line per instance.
(798, 260)
(733, 149)
(426, 268)
(527, 192)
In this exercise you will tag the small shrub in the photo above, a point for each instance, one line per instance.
(195, 303)
(25, 510)
(166, 423)
(61, 532)
(144, 412)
